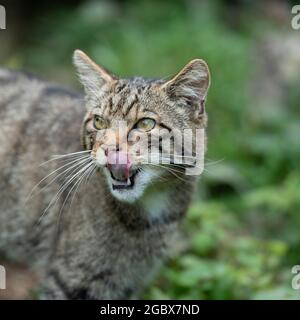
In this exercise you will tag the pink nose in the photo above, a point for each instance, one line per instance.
(119, 164)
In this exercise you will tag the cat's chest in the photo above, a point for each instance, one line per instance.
(156, 205)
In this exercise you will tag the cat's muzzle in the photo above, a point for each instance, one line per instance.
(121, 170)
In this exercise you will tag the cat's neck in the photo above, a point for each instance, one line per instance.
(160, 205)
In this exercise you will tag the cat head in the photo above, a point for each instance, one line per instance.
(135, 127)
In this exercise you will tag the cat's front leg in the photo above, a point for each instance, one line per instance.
(62, 286)
(55, 287)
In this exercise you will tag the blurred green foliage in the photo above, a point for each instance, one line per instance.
(241, 236)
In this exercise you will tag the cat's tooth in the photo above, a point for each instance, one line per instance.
(128, 181)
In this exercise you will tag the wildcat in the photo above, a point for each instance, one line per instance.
(105, 240)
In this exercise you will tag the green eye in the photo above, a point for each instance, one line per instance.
(146, 124)
(99, 123)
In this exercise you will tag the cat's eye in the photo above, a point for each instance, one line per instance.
(99, 122)
(145, 124)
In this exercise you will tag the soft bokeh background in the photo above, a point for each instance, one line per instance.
(242, 234)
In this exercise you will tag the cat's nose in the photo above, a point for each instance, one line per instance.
(119, 164)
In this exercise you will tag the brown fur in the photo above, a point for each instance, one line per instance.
(98, 246)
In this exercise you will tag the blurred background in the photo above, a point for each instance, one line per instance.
(242, 234)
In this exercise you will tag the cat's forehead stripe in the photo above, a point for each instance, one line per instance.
(125, 102)
(128, 98)
(131, 101)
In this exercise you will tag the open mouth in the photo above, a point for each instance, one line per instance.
(125, 184)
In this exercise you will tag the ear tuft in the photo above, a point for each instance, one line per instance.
(191, 84)
(92, 76)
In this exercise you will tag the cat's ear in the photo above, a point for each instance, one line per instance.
(93, 77)
(191, 84)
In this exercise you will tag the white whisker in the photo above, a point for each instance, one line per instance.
(62, 156)
(63, 188)
(53, 172)
(75, 185)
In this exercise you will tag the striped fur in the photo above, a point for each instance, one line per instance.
(97, 247)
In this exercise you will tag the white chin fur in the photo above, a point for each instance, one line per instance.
(142, 180)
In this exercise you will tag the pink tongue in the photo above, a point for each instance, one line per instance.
(119, 163)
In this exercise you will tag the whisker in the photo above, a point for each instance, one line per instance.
(168, 168)
(173, 155)
(90, 173)
(211, 163)
(172, 171)
(85, 174)
(171, 158)
(161, 158)
(72, 169)
(51, 173)
(75, 185)
(62, 156)
(62, 189)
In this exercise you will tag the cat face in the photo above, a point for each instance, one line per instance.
(134, 127)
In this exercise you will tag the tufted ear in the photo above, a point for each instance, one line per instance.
(191, 84)
(93, 77)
